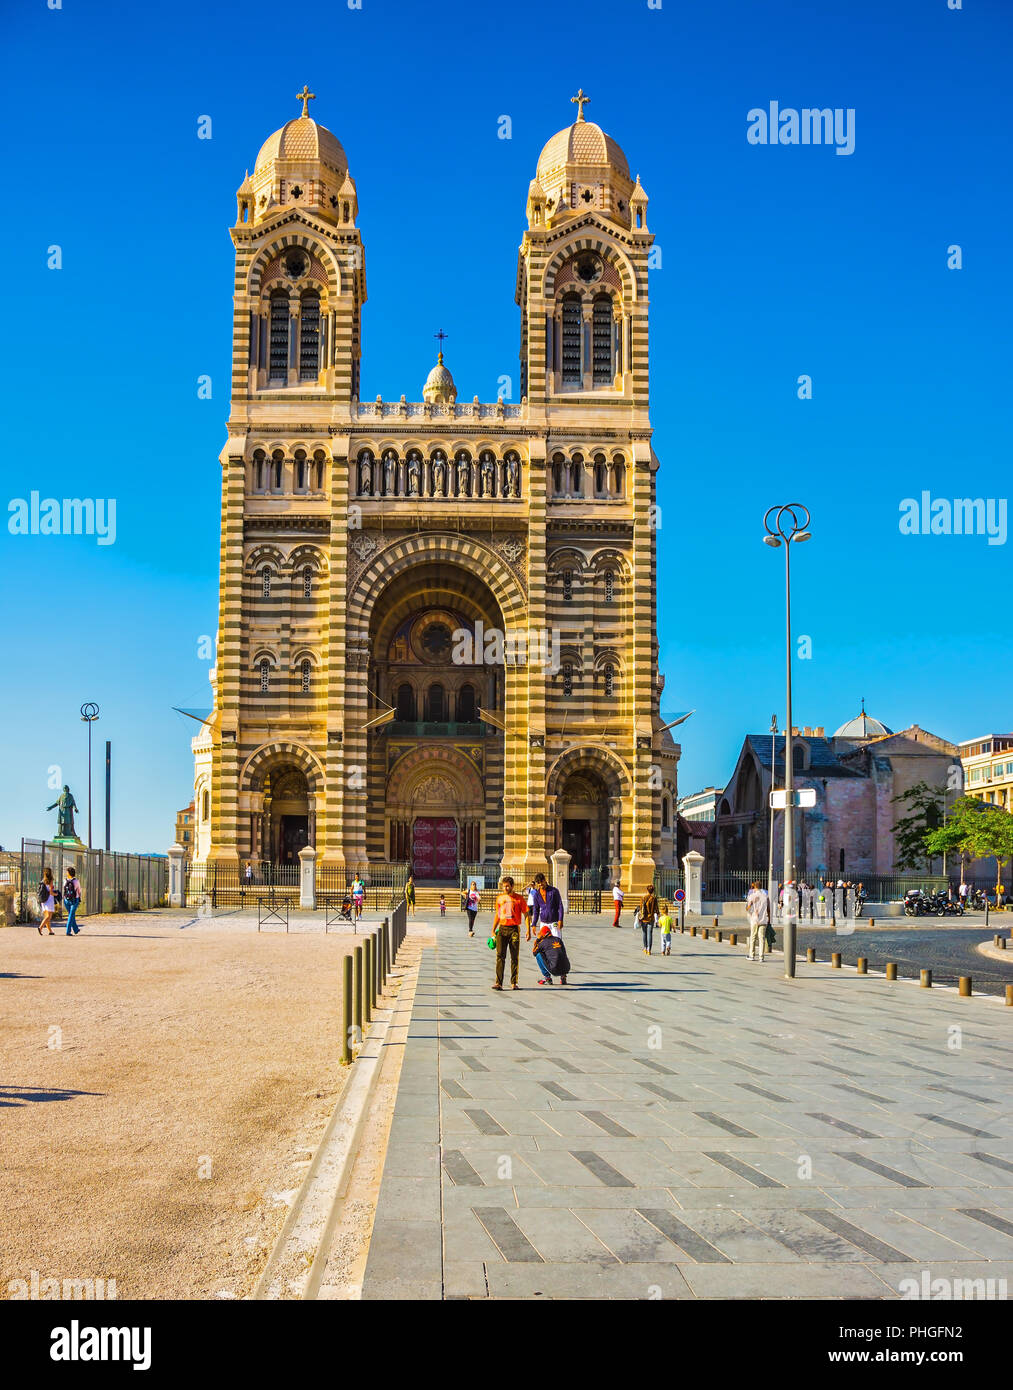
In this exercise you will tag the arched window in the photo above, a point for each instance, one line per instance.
(600, 475)
(609, 681)
(571, 340)
(279, 337)
(664, 813)
(567, 679)
(277, 462)
(259, 460)
(406, 703)
(265, 582)
(205, 805)
(306, 667)
(435, 705)
(265, 675)
(466, 704)
(309, 338)
(567, 586)
(300, 470)
(620, 471)
(557, 474)
(307, 582)
(797, 758)
(577, 476)
(318, 481)
(601, 340)
(610, 586)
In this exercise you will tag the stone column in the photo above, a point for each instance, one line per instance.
(308, 877)
(561, 875)
(177, 859)
(693, 864)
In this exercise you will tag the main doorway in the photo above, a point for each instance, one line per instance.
(577, 842)
(434, 847)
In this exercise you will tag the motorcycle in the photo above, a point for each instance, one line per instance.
(914, 903)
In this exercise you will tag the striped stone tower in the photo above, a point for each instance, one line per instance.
(437, 639)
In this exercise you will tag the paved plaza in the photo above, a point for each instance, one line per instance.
(691, 1127)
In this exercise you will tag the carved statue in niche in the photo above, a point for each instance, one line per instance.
(439, 476)
(463, 476)
(389, 465)
(512, 476)
(487, 476)
(413, 476)
(366, 476)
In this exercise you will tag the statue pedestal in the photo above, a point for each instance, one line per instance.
(68, 842)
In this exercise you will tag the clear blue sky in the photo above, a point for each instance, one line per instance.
(776, 261)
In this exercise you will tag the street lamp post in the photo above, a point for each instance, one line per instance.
(770, 811)
(89, 713)
(790, 523)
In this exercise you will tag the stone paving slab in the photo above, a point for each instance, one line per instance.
(687, 1127)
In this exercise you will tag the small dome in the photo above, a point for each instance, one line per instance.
(302, 138)
(439, 384)
(581, 143)
(862, 726)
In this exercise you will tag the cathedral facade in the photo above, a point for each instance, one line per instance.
(437, 635)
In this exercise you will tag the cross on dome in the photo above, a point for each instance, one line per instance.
(580, 99)
(305, 96)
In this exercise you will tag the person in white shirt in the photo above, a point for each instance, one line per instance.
(758, 912)
(617, 898)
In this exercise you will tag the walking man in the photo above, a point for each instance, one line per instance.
(510, 910)
(758, 912)
(617, 898)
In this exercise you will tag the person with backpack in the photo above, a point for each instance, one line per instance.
(46, 893)
(758, 913)
(472, 901)
(550, 956)
(647, 916)
(71, 899)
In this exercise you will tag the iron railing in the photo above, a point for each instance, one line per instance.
(110, 881)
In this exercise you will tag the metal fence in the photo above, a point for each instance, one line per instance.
(733, 884)
(384, 883)
(110, 881)
(489, 872)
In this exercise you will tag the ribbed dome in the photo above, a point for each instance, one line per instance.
(439, 384)
(581, 143)
(303, 138)
(862, 726)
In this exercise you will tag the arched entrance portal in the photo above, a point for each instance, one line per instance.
(436, 769)
(586, 787)
(285, 819)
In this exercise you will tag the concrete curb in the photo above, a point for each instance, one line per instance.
(305, 1236)
(994, 953)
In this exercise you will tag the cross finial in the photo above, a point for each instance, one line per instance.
(441, 336)
(580, 99)
(305, 96)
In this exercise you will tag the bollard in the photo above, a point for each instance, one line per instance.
(995, 939)
(891, 970)
(1009, 994)
(863, 966)
(706, 934)
(376, 967)
(1002, 943)
(346, 1012)
(719, 936)
(872, 921)
(692, 931)
(810, 955)
(733, 940)
(965, 986)
(715, 922)
(383, 954)
(358, 994)
(926, 979)
(367, 981)
(835, 960)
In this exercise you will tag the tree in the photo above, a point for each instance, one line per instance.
(976, 828)
(925, 814)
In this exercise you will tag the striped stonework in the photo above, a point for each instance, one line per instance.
(437, 636)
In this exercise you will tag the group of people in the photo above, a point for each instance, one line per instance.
(541, 913)
(50, 896)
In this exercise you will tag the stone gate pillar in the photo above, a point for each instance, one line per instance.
(561, 875)
(693, 864)
(177, 857)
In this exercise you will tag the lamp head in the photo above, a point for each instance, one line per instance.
(772, 540)
(802, 536)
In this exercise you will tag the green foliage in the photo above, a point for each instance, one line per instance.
(924, 805)
(975, 828)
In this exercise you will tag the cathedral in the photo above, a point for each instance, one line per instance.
(437, 636)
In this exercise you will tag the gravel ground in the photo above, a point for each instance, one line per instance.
(164, 1083)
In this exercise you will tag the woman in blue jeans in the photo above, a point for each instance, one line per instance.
(71, 900)
(647, 916)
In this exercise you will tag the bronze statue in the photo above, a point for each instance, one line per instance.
(65, 806)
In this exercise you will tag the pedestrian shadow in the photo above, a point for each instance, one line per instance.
(23, 1095)
(17, 975)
